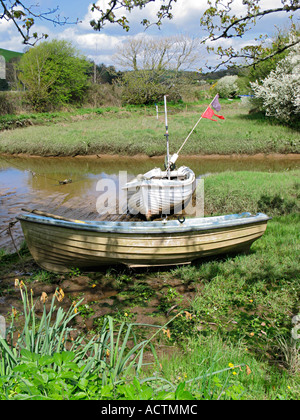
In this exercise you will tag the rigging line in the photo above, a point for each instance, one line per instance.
(195, 127)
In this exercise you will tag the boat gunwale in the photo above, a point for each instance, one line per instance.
(152, 227)
(156, 183)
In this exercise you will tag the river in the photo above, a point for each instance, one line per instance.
(44, 183)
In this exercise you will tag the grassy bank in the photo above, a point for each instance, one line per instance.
(133, 130)
(226, 322)
(235, 192)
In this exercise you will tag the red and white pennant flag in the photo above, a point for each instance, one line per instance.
(209, 113)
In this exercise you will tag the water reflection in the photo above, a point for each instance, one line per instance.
(35, 182)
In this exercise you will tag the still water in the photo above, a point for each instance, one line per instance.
(37, 182)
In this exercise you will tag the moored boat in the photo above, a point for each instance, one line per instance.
(59, 245)
(159, 192)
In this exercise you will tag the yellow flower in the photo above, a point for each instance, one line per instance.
(234, 373)
(75, 309)
(188, 315)
(59, 295)
(126, 314)
(248, 370)
(44, 297)
(251, 300)
(93, 285)
(168, 332)
(252, 334)
(231, 365)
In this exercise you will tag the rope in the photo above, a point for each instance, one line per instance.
(8, 229)
(12, 238)
(10, 225)
(194, 127)
(190, 134)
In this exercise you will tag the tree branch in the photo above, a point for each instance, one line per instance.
(23, 17)
(108, 15)
(236, 22)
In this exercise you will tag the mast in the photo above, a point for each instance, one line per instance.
(167, 136)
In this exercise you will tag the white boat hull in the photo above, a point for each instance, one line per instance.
(153, 193)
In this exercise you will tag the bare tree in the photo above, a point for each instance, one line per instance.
(153, 66)
(174, 53)
(128, 53)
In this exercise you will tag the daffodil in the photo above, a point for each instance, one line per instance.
(44, 297)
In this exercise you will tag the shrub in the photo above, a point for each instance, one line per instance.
(279, 94)
(54, 74)
(103, 95)
(6, 106)
(12, 102)
(227, 86)
(147, 87)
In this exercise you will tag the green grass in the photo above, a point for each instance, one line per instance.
(248, 379)
(133, 130)
(242, 311)
(236, 192)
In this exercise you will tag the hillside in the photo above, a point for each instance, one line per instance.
(8, 55)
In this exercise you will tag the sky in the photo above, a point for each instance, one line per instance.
(101, 46)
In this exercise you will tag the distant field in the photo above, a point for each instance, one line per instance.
(130, 131)
(8, 55)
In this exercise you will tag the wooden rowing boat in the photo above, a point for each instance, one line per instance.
(160, 192)
(60, 245)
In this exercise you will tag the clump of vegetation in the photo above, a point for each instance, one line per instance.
(227, 87)
(278, 94)
(54, 74)
(234, 192)
(46, 361)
